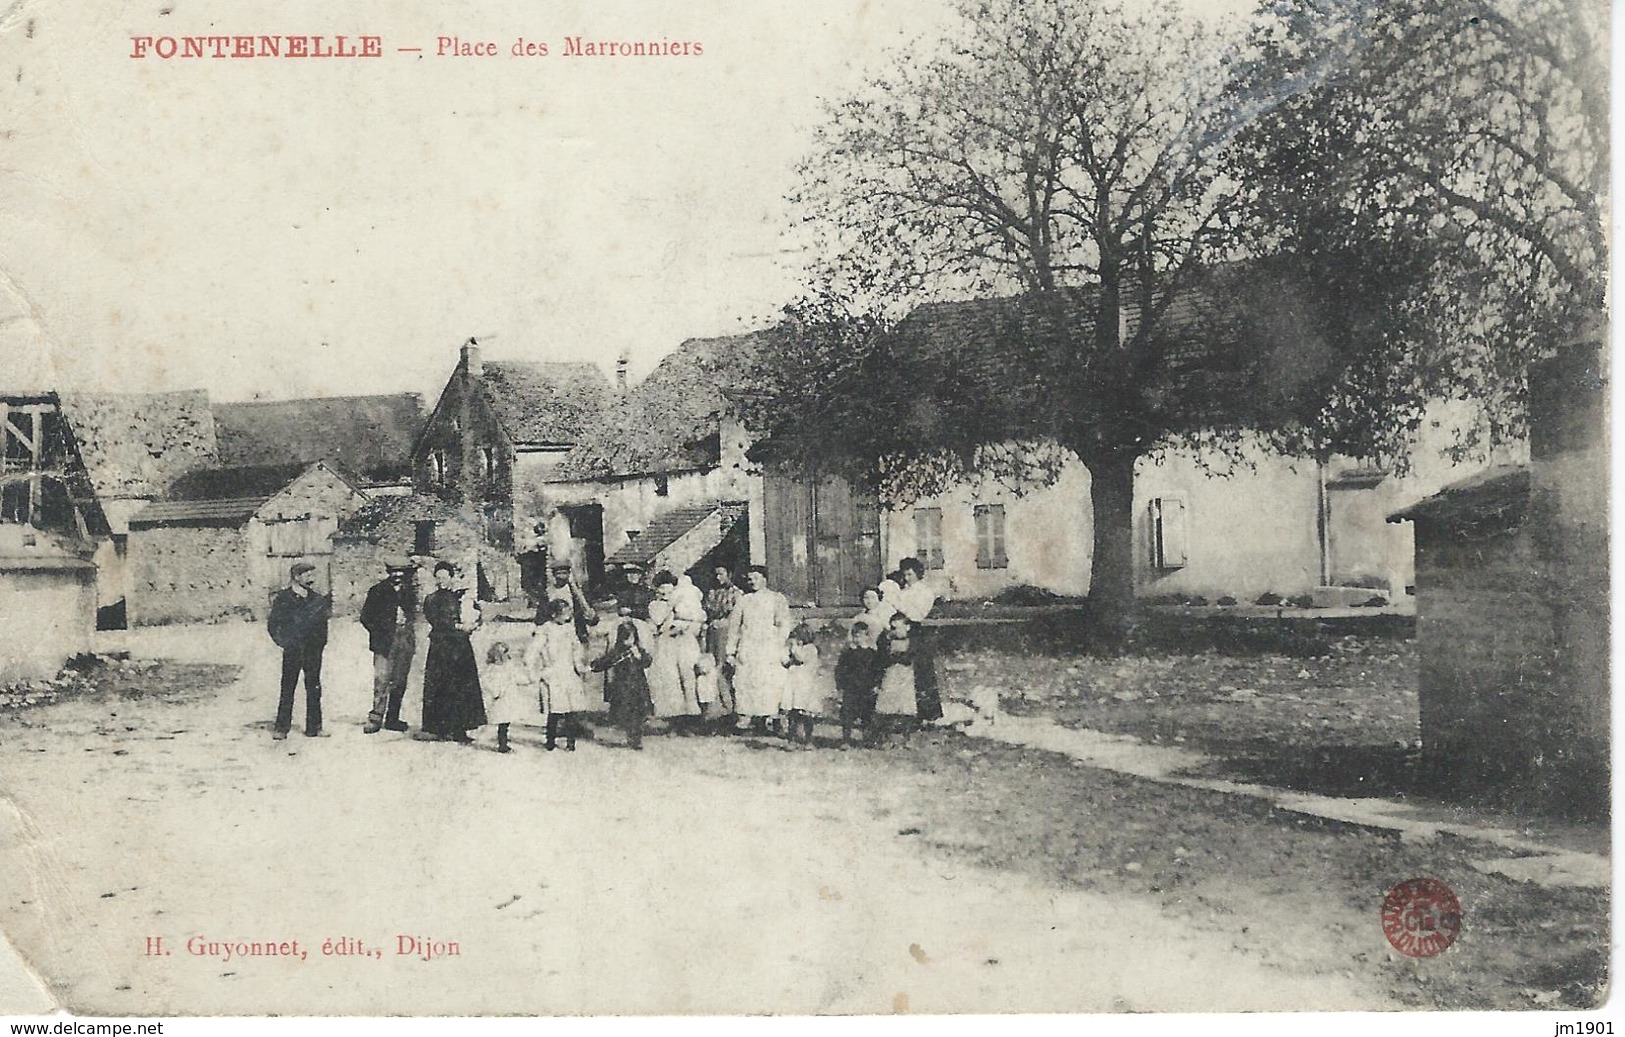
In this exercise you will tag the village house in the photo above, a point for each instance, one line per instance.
(1207, 526)
(221, 541)
(50, 523)
(664, 481)
(498, 430)
(550, 463)
(134, 445)
(1513, 608)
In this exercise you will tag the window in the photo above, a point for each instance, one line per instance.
(292, 538)
(990, 537)
(1168, 539)
(490, 456)
(437, 461)
(928, 537)
(662, 485)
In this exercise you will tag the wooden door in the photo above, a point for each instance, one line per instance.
(787, 513)
(846, 532)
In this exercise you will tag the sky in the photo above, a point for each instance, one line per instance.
(279, 228)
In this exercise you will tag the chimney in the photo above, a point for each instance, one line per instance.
(620, 372)
(471, 359)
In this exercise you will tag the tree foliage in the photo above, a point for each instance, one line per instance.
(1050, 145)
(1308, 236)
(1455, 150)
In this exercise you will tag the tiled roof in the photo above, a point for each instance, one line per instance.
(229, 511)
(368, 437)
(1017, 346)
(235, 483)
(545, 402)
(670, 421)
(136, 444)
(665, 529)
(1498, 496)
(378, 512)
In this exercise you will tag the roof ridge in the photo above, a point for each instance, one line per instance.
(404, 395)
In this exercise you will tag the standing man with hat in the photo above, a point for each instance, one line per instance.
(388, 615)
(563, 587)
(298, 625)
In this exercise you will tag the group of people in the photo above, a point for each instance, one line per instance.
(728, 659)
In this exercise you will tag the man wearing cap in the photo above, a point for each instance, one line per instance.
(388, 616)
(298, 625)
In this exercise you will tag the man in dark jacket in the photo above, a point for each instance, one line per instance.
(388, 615)
(299, 627)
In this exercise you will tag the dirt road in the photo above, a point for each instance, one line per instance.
(701, 875)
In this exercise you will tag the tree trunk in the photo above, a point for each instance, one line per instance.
(1111, 583)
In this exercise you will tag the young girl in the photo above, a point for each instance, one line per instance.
(856, 673)
(625, 684)
(895, 708)
(705, 679)
(557, 661)
(801, 695)
(504, 682)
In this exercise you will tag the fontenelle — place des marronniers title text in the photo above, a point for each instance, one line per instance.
(165, 48)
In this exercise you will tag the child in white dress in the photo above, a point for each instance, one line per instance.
(557, 661)
(895, 706)
(506, 684)
(802, 696)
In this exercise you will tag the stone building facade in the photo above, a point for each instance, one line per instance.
(223, 542)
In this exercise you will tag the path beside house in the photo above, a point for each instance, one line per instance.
(1544, 862)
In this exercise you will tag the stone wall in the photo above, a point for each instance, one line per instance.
(1486, 640)
(462, 428)
(1569, 490)
(184, 573)
(357, 562)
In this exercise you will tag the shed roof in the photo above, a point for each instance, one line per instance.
(228, 511)
(666, 528)
(544, 402)
(1498, 496)
(222, 496)
(369, 437)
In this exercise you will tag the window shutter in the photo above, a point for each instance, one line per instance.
(1169, 539)
(990, 548)
(928, 537)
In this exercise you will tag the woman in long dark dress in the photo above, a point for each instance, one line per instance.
(452, 703)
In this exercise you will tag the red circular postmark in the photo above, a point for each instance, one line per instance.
(1421, 917)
